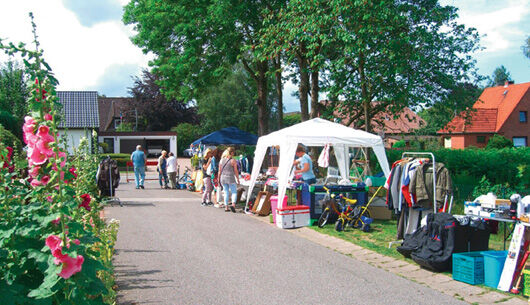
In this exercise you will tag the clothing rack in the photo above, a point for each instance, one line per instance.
(435, 208)
(112, 198)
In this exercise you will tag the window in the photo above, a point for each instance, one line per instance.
(117, 123)
(110, 145)
(481, 139)
(523, 116)
(519, 141)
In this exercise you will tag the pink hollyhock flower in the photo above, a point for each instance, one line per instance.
(45, 180)
(34, 172)
(76, 241)
(9, 153)
(48, 117)
(54, 243)
(86, 201)
(72, 171)
(70, 265)
(36, 157)
(35, 182)
(49, 198)
(57, 220)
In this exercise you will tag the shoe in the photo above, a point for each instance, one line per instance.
(137, 187)
(142, 187)
(203, 204)
(216, 206)
(210, 203)
(227, 210)
(233, 209)
(166, 187)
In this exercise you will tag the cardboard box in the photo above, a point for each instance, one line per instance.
(380, 212)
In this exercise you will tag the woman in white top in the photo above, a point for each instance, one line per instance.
(172, 170)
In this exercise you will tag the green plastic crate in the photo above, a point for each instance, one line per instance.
(526, 283)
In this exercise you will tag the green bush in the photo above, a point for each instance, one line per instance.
(509, 167)
(122, 159)
(9, 139)
(498, 141)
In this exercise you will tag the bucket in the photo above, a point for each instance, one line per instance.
(182, 186)
(493, 265)
(274, 205)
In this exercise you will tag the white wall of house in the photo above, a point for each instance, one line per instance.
(172, 141)
(74, 136)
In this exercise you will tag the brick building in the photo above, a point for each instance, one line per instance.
(499, 110)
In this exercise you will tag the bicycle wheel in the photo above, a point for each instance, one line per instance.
(339, 225)
(324, 218)
(361, 211)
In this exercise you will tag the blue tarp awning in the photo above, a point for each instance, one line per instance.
(228, 136)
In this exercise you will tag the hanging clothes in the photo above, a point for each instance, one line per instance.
(108, 177)
(422, 185)
(323, 159)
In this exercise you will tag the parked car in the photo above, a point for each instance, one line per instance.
(187, 152)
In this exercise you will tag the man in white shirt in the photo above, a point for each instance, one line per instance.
(172, 170)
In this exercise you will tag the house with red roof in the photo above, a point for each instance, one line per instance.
(501, 110)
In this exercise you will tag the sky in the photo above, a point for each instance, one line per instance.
(89, 48)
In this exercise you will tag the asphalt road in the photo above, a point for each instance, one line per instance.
(171, 250)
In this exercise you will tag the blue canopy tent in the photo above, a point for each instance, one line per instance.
(228, 136)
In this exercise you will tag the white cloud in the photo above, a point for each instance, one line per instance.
(500, 21)
(78, 55)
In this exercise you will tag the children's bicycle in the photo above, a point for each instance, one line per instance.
(186, 177)
(350, 213)
(343, 207)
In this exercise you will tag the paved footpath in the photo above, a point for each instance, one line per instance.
(171, 250)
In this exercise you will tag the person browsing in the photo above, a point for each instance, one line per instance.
(305, 166)
(138, 159)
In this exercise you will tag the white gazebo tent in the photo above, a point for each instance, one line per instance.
(315, 132)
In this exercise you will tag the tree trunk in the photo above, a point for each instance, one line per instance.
(315, 106)
(364, 94)
(261, 102)
(279, 89)
(303, 88)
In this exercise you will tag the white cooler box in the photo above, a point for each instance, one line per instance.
(292, 217)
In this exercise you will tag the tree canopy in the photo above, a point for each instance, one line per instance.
(13, 94)
(156, 112)
(500, 76)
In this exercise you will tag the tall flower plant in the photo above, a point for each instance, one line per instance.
(49, 246)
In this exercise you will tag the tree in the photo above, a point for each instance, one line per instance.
(499, 77)
(302, 31)
(461, 98)
(526, 47)
(231, 103)
(395, 54)
(156, 112)
(194, 44)
(13, 95)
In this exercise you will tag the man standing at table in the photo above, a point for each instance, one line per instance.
(138, 159)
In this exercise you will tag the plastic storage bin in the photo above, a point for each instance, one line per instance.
(293, 217)
(468, 267)
(493, 264)
(274, 205)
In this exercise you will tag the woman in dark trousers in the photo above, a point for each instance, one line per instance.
(161, 167)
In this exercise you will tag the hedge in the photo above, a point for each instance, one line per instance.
(499, 166)
(122, 159)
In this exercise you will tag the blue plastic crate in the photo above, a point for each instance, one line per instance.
(493, 265)
(468, 267)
